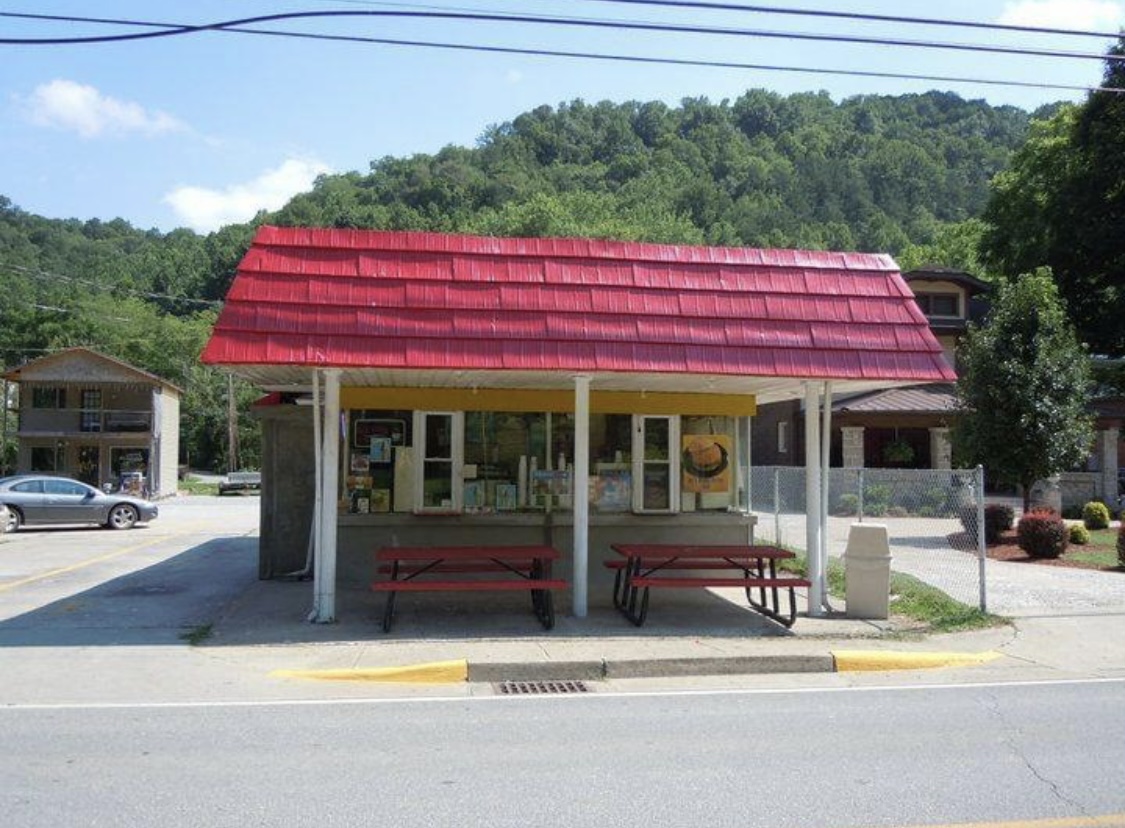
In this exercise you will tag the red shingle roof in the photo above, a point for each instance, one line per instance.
(422, 301)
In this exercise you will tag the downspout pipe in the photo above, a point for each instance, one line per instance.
(314, 524)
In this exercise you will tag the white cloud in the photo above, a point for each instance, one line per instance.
(64, 104)
(513, 77)
(1097, 15)
(205, 210)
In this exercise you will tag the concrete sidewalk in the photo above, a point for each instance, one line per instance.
(688, 636)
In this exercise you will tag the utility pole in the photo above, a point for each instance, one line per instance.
(232, 427)
(4, 433)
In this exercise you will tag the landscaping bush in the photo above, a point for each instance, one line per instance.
(1095, 515)
(1079, 535)
(997, 518)
(1042, 534)
(1121, 545)
(847, 505)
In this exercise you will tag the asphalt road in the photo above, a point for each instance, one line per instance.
(784, 759)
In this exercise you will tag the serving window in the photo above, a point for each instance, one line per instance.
(479, 462)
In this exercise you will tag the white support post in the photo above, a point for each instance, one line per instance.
(318, 483)
(580, 492)
(812, 499)
(330, 472)
(825, 479)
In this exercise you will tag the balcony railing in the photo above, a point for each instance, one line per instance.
(75, 421)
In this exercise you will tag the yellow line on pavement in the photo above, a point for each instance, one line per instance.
(851, 661)
(1104, 821)
(437, 672)
(62, 570)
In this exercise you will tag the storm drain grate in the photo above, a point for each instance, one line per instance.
(537, 688)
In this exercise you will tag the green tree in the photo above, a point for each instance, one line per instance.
(1062, 204)
(1023, 387)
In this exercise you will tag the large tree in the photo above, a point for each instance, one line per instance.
(1023, 387)
(1062, 204)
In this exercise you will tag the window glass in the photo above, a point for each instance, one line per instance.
(708, 479)
(62, 487)
(44, 459)
(656, 464)
(32, 486)
(504, 455)
(48, 398)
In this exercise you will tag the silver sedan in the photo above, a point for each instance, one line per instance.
(36, 499)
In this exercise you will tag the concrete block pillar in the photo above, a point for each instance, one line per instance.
(1107, 457)
(853, 446)
(941, 449)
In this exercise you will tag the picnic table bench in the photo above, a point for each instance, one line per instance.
(493, 568)
(753, 567)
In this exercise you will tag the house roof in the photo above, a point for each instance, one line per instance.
(400, 308)
(73, 365)
(938, 398)
(937, 273)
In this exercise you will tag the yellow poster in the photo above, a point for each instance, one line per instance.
(706, 463)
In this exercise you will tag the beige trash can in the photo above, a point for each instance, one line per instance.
(867, 571)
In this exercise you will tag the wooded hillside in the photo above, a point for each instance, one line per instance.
(892, 174)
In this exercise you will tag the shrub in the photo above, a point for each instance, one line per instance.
(1095, 515)
(1042, 534)
(1079, 534)
(997, 518)
(1121, 545)
(848, 504)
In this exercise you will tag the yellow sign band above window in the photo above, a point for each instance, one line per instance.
(556, 402)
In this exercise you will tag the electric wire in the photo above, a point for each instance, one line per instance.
(44, 275)
(876, 18)
(174, 28)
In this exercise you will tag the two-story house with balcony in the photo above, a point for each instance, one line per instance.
(86, 415)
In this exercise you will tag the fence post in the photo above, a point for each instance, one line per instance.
(859, 508)
(777, 506)
(981, 545)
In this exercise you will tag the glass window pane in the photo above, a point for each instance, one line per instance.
(657, 486)
(439, 436)
(437, 484)
(656, 438)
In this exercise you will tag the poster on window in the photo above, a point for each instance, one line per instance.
(706, 463)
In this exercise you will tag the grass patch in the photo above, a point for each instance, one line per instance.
(913, 599)
(197, 487)
(197, 635)
(1101, 551)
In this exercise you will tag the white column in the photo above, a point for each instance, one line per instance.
(812, 498)
(329, 495)
(581, 499)
(825, 464)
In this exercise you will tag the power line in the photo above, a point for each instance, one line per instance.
(174, 30)
(875, 18)
(47, 275)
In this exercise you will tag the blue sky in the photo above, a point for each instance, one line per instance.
(203, 130)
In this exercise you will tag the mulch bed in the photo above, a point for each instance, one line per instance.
(1008, 550)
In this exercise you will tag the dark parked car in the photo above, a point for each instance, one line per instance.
(38, 499)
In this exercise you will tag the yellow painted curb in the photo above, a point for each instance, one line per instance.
(436, 672)
(852, 661)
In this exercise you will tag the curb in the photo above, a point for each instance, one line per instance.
(855, 661)
(460, 670)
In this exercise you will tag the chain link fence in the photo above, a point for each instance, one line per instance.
(932, 517)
